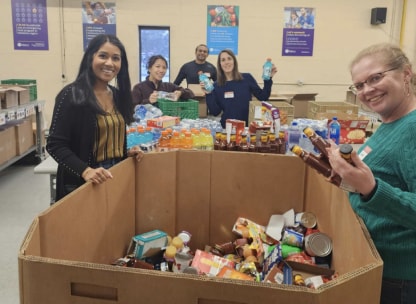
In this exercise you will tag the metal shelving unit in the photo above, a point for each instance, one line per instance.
(22, 112)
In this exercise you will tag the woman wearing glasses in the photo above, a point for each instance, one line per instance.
(384, 174)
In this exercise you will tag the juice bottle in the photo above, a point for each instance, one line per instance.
(164, 142)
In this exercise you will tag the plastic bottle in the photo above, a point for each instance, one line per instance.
(294, 134)
(267, 69)
(322, 167)
(196, 140)
(131, 137)
(148, 135)
(334, 129)
(208, 140)
(164, 141)
(187, 143)
(175, 141)
(207, 82)
(319, 143)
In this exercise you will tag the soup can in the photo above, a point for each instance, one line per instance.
(306, 219)
(318, 244)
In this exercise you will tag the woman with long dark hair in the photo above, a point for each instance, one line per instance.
(88, 131)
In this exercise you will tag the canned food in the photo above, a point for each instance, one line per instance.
(292, 238)
(318, 244)
(306, 219)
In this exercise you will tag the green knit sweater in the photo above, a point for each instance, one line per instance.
(390, 214)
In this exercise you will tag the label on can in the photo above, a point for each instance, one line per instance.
(292, 238)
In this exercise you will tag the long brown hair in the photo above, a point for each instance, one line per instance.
(221, 79)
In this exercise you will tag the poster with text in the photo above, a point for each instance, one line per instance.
(30, 25)
(97, 18)
(222, 28)
(298, 31)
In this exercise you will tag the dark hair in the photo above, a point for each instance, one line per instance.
(152, 61)
(84, 83)
(221, 79)
(204, 45)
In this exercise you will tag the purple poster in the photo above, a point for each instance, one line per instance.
(97, 18)
(298, 31)
(30, 25)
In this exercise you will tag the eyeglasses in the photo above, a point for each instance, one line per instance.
(371, 81)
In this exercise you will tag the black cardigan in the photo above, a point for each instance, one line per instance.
(71, 140)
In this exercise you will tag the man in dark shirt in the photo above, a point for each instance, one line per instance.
(189, 70)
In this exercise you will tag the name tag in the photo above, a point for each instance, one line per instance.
(364, 152)
(229, 94)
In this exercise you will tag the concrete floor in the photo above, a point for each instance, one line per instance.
(23, 195)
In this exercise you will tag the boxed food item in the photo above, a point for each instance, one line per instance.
(162, 192)
(163, 121)
(353, 131)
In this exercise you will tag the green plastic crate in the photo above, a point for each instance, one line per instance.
(183, 109)
(30, 84)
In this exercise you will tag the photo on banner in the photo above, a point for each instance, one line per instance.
(222, 28)
(298, 31)
(97, 18)
(30, 25)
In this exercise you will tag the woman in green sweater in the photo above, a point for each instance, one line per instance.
(385, 166)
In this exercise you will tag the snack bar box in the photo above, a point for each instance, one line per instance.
(66, 254)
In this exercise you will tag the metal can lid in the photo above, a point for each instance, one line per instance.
(306, 219)
(318, 244)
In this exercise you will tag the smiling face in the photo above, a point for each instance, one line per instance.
(387, 97)
(106, 62)
(227, 63)
(201, 54)
(158, 70)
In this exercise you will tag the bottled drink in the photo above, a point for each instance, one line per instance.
(131, 137)
(217, 141)
(187, 141)
(164, 141)
(274, 146)
(321, 166)
(175, 141)
(264, 143)
(148, 135)
(252, 145)
(334, 130)
(294, 134)
(282, 142)
(319, 143)
(345, 150)
(267, 69)
(208, 141)
(243, 147)
(196, 140)
(206, 81)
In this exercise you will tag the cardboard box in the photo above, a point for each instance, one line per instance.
(335, 108)
(7, 144)
(301, 103)
(66, 254)
(24, 136)
(200, 96)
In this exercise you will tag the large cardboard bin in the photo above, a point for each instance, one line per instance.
(66, 253)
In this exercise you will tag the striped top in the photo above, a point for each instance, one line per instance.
(109, 136)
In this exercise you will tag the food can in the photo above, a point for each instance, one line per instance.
(318, 244)
(306, 219)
